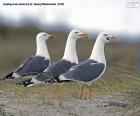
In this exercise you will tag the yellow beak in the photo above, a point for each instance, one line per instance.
(52, 36)
(114, 40)
(84, 36)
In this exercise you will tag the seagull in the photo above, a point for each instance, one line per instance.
(35, 64)
(93, 68)
(62, 66)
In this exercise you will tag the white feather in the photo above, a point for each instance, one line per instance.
(70, 53)
(42, 49)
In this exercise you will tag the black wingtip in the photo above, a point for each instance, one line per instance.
(25, 83)
(8, 76)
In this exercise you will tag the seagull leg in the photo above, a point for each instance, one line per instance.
(81, 90)
(91, 92)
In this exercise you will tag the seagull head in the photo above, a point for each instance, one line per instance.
(107, 38)
(76, 34)
(45, 36)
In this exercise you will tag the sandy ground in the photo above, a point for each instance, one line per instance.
(70, 106)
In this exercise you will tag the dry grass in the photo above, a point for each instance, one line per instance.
(56, 94)
(121, 79)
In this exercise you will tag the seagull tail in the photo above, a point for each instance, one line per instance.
(63, 79)
(8, 76)
(26, 83)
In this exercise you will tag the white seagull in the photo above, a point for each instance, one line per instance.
(92, 69)
(35, 64)
(62, 66)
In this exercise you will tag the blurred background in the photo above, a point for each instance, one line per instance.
(19, 26)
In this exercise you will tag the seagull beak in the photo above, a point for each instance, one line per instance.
(113, 40)
(52, 36)
(83, 36)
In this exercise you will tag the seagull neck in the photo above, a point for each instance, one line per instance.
(98, 51)
(70, 53)
(42, 49)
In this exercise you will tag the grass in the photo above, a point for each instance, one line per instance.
(2, 112)
(128, 87)
(120, 80)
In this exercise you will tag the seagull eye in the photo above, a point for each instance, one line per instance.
(105, 34)
(44, 34)
(76, 32)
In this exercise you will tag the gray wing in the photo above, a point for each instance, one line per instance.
(55, 70)
(81, 63)
(33, 66)
(85, 72)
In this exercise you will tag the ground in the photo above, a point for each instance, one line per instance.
(117, 92)
(59, 100)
